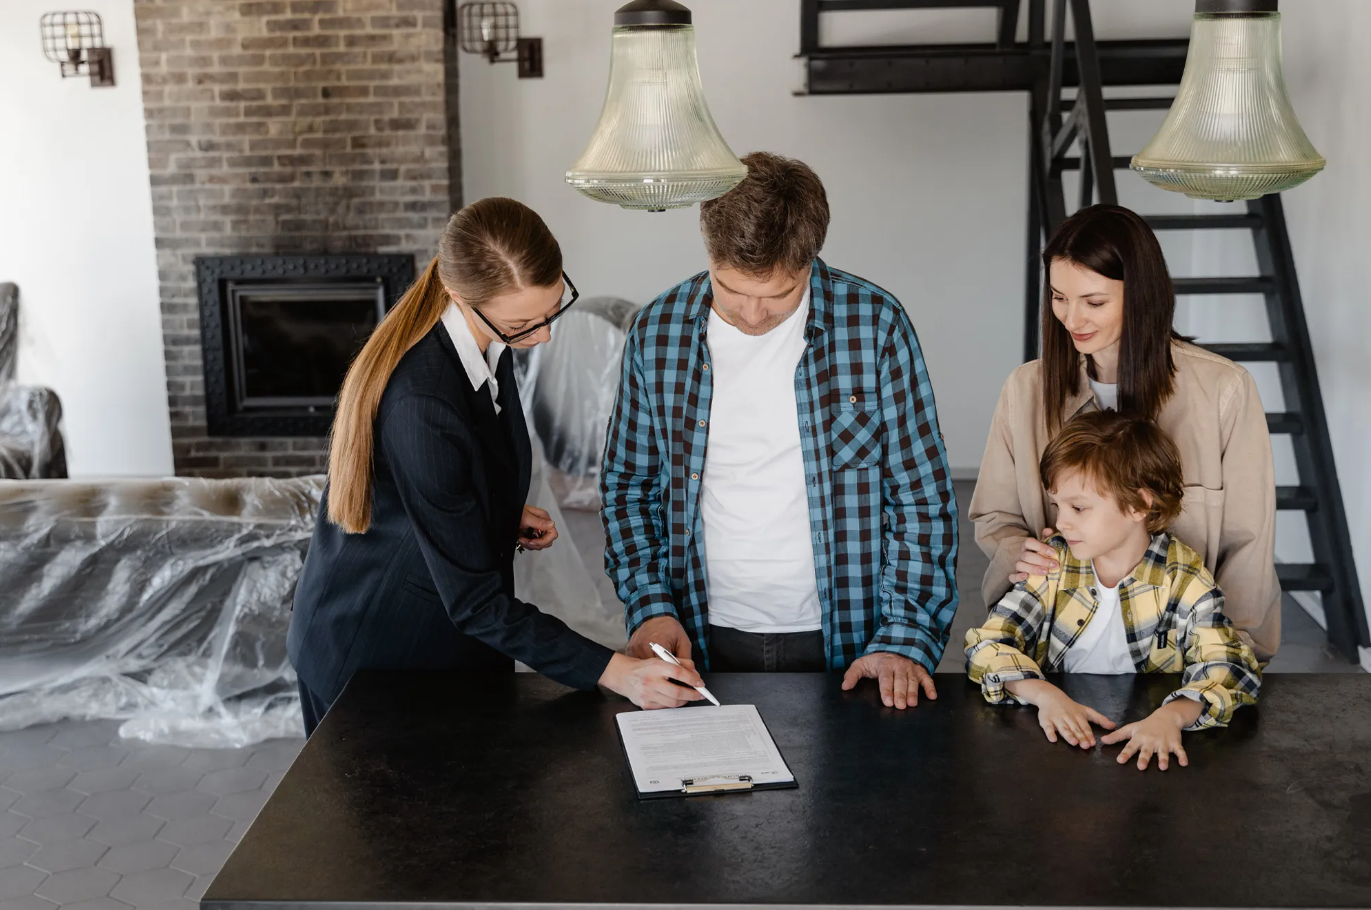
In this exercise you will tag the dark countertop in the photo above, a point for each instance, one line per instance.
(433, 789)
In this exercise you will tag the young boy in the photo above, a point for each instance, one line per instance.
(1128, 598)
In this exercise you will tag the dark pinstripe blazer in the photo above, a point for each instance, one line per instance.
(431, 584)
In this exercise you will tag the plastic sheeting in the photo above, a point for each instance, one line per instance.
(162, 603)
(571, 385)
(31, 443)
(165, 603)
(558, 580)
(30, 439)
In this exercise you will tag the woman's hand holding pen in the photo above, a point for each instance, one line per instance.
(652, 683)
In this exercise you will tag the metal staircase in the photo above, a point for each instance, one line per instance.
(1058, 123)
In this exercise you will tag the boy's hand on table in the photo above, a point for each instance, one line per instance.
(1159, 734)
(1058, 714)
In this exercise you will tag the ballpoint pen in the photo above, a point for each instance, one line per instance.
(670, 658)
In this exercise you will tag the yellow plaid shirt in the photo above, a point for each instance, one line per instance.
(1172, 613)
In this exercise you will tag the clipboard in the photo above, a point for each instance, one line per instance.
(759, 766)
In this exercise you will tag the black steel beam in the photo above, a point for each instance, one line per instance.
(1091, 94)
(904, 69)
(809, 26)
(1007, 28)
(846, 6)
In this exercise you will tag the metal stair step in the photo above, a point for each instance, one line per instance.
(1298, 576)
(1286, 423)
(1252, 285)
(1249, 352)
(1138, 104)
(1202, 222)
(1073, 163)
(1296, 499)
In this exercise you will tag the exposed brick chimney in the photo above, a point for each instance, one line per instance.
(288, 126)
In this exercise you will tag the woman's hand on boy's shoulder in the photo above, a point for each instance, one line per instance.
(1036, 557)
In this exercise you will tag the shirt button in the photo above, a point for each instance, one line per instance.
(705, 368)
(852, 399)
(1080, 622)
(1094, 593)
(702, 423)
(694, 476)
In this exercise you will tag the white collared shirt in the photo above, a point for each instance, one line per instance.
(480, 370)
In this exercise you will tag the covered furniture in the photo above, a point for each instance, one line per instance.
(30, 417)
(161, 602)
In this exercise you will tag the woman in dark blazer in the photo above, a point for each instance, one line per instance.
(412, 561)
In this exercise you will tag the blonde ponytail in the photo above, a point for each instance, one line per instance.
(351, 444)
(490, 247)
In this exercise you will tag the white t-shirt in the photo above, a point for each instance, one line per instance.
(1107, 393)
(759, 552)
(1102, 646)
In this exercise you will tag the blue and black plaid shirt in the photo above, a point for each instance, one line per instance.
(881, 507)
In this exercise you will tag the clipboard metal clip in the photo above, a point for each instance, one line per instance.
(719, 783)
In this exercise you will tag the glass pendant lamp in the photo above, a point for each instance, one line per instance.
(1231, 132)
(656, 146)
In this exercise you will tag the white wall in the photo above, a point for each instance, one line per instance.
(928, 192)
(76, 236)
(1329, 75)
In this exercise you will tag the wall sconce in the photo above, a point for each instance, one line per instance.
(76, 42)
(492, 30)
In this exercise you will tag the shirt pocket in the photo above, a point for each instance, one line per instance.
(1201, 520)
(855, 438)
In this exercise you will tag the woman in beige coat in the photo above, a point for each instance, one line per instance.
(1108, 343)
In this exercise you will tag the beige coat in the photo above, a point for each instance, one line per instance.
(1229, 514)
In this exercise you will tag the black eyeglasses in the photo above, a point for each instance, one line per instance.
(569, 295)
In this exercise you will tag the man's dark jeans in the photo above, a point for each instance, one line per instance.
(732, 651)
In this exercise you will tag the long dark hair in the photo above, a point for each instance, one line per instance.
(1116, 243)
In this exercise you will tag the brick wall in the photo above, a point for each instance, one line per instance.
(287, 126)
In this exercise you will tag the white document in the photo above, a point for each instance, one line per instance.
(705, 745)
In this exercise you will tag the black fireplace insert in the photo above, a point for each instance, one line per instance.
(278, 334)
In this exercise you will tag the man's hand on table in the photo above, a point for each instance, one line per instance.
(666, 631)
(899, 678)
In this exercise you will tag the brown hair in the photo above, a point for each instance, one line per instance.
(490, 247)
(1116, 243)
(777, 217)
(1127, 457)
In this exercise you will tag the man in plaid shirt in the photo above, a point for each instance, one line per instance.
(775, 489)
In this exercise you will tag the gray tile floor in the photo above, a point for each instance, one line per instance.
(91, 822)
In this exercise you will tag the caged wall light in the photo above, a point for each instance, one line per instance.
(492, 30)
(75, 41)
